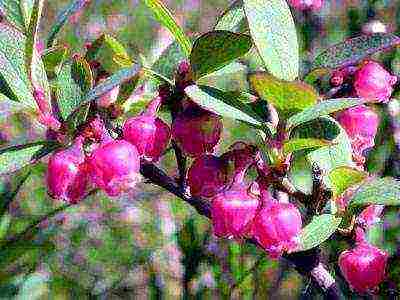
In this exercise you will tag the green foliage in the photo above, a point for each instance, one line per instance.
(344, 177)
(17, 12)
(274, 34)
(53, 58)
(354, 50)
(287, 97)
(294, 145)
(233, 19)
(216, 49)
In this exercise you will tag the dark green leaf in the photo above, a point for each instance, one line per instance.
(274, 34)
(62, 18)
(322, 108)
(222, 103)
(165, 17)
(16, 157)
(384, 191)
(318, 231)
(294, 145)
(233, 19)
(10, 186)
(110, 53)
(287, 97)
(216, 49)
(113, 81)
(53, 58)
(344, 177)
(168, 60)
(355, 49)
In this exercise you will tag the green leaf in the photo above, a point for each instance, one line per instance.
(110, 53)
(322, 108)
(222, 103)
(294, 145)
(17, 12)
(62, 18)
(318, 231)
(216, 49)
(73, 82)
(113, 81)
(344, 177)
(355, 49)
(16, 157)
(165, 17)
(53, 58)
(274, 34)
(287, 97)
(233, 19)
(168, 60)
(384, 191)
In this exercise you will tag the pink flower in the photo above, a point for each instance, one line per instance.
(148, 133)
(114, 166)
(306, 4)
(66, 175)
(370, 215)
(277, 227)
(363, 266)
(373, 82)
(196, 130)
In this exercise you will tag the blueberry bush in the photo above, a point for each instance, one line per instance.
(254, 158)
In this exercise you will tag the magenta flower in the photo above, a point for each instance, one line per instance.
(313, 5)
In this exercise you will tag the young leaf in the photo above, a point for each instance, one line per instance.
(73, 82)
(274, 34)
(16, 157)
(294, 145)
(113, 81)
(233, 19)
(62, 18)
(110, 53)
(318, 231)
(322, 108)
(216, 49)
(222, 103)
(384, 191)
(355, 49)
(17, 12)
(165, 17)
(344, 177)
(287, 97)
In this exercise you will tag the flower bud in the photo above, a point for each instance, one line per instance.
(363, 266)
(233, 211)
(313, 5)
(66, 175)
(114, 166)
(196, 130)
(373, 82)
(207, 176)
(148, 133)
(277, 227)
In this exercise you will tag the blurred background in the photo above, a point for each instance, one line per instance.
(148, 244)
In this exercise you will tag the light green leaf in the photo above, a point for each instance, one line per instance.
(287, 97)
(165, 17)
(216, 49)
(222, 103)
(62, 18)
(318, 231)
(294, 145)
(53, 58)
(274, 34)
(16, 157)
(385, 191)
(233, 19)
(17, 12)
(322, 108)
(354, 50)
(344, 177)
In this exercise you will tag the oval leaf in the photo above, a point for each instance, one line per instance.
(318, 231)
(287, 97)
(344, 177)
(294, 145)
(274, 34)
(16, 157)
(355, 49)
(216, 49)
(322, 108)
(165, 17)
(385, 191)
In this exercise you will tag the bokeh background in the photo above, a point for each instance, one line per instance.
(148, 244)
